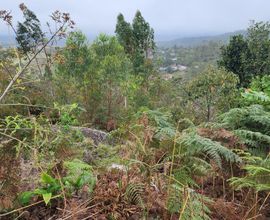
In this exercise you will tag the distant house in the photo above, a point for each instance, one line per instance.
(163, 69)
(181, 67)
(149, 54)
(167, 76)
(169, 69)
(174, 67)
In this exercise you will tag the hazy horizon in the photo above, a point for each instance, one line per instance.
(171, 19)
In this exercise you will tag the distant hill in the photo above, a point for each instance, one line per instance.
(195, 41)
(9, 41)
(6, 41)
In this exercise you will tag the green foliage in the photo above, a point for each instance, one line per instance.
(102, 83)
(252, 97)
(16, 123)
(182, 176)
(104, 155)
(50, 187)
(29, 33)
(250, 123)
(78, 175)
(188, 203)
(113, 68)
(160, 121)
(7, 57)
(253, 139)
(143, 34)
(138, 41)
(257, 176)
(214, 90)
(74, 58)
(259, 92)
(185, 124)
(261, 84)
(248, 57)
(195, 145)
(233, 58)
(124, 34)
(32, 135)
(68, 114)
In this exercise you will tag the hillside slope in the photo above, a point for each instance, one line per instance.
(195, 41)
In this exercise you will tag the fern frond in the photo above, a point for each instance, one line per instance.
(253, 139)
(134, 193)
(233, 119)
(184, 124)
(256, 97)
(257, 177)
(196, 204)
(195, 144)
(183, 176)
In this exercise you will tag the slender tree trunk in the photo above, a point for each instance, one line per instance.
(110, 100)
(208, 112)
(125, 100)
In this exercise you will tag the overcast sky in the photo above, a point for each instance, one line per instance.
(169, 18)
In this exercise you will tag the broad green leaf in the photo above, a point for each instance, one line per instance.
(25, 197)
(47, 179)
(47, 197)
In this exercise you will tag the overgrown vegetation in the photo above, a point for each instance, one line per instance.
(169, 149)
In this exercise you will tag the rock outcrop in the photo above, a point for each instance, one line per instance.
(96, 135)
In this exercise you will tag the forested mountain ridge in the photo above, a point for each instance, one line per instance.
(197, 41)
(6, 40)
(180, 42)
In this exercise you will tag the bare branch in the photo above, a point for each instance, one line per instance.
(28, 63)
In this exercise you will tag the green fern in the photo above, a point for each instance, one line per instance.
(197, 145)
(134, 194)
(160, 121)
(252, 96)
(257, 177)
(251, 138)
(79, 174)
(245, 117)
(233, 119)
(183, 175)
(251, 124)
(190, 204)
(185, 124)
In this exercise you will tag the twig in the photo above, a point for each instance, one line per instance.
(28, 206)
(28, 63)
(16, 139)
(62, 189)
(92, 215)
(172, 161)
(184, 206)
(81, 210)
(247, 213)
(254, 217)
(264, 201)
(20, 215)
